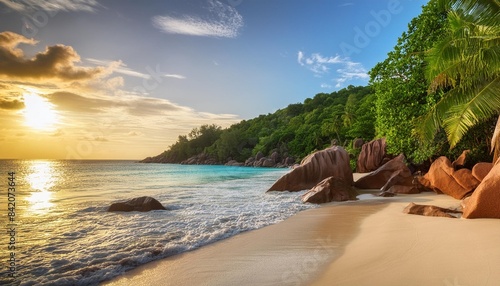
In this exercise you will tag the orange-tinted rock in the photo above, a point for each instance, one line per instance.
(427, 210)
(394, 176)
(465, 178)
(461, 160)
(331, 189)
(331, 162)
(480, 170)
(485, 201)
(442, 178)
(371, 156)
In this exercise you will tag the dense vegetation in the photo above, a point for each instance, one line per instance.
(294, 131)
(437, 93)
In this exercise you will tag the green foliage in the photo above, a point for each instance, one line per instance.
(401, 86)
(465, 66)
(295, 131)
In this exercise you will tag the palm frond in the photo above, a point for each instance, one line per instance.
(478, 105)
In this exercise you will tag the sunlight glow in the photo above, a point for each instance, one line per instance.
(39, 113)
(41, 180)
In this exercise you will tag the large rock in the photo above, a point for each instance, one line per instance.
(329, 190)
(442, 178)
(480, 170)
(485, 201)
(372, 156)
(140, 204)
(333, 161)
(428, 210)
(394, 177)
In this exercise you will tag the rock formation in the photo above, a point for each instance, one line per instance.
(427, 210)
(333, 161)
(372, 156)
(394, 177)
(485, 201)
(443, 178)
(329, 190)
(480, 170)
(140, 204)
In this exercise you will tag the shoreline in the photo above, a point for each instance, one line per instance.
(278, 254)
(365, 242)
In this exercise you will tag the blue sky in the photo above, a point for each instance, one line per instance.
(169, 66)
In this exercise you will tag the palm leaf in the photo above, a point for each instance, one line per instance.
(482, 103)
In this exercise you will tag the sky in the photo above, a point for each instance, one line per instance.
(122, 79)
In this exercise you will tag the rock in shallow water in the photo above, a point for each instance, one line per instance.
(141, 204)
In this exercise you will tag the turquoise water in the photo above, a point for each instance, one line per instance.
(64, 236)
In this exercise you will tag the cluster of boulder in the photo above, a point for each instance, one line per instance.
(200, 159)
(478, 188)
(328, 177)
(275, 160)
(327, 174)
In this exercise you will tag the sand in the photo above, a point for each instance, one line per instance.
(366, 242)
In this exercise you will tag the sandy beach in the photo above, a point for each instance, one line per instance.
(365, 242)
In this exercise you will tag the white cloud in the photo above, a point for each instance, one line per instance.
(120, 67)
(52, 5)
(221, 21)
(321, 65)
(325, 85)
(177, 76)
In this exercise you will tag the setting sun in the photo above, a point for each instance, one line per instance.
(38, 112)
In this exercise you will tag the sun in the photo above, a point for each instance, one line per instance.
(39, 114)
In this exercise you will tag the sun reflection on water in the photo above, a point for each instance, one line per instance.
(41, 178)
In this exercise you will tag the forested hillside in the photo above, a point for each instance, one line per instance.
(294, 131)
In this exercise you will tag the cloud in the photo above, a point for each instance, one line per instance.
(346, 4)
(177, 76)
(120, 67)
(11, 104)
(54, 5)
(221, 21)
(69, 101)
(351, 71)
(56, 62)
(321, 65)
(135, 133)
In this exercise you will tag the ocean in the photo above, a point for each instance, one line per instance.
(60, 233)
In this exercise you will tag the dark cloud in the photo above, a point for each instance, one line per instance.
(77, 103)
(56, 62)
(138, 107)
(11, 104)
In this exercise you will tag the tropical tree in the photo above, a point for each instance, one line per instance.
(464, 66)
(400, 85)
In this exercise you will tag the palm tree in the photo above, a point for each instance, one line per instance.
(465, 67)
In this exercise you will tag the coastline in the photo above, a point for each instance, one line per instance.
(365, 242)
